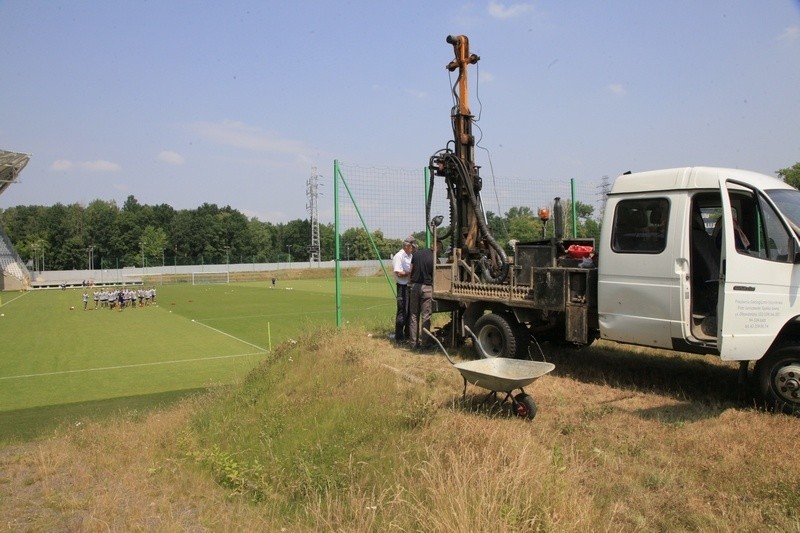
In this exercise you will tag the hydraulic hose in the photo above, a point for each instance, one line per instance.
(477, 209)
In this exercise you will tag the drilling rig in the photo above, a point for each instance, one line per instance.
(484, 288)
(468, 229)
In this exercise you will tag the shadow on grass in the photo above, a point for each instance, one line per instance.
(483, 402)
(30, 424)
(705, 385)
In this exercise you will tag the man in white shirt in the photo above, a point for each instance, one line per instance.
(401, 265)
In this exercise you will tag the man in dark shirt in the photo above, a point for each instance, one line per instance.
(421, 294)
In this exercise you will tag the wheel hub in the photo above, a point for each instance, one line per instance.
(787, 382)
(491, 340)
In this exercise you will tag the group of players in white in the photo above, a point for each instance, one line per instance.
(120, 298)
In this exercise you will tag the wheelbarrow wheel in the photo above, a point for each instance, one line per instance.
(524, 406)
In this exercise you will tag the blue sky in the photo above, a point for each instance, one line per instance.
(233, 103)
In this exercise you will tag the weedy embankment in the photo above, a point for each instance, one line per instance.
(346, 432)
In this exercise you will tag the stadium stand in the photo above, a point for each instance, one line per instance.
(15, 273)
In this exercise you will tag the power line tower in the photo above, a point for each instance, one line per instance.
(603, 190)
(312, 186)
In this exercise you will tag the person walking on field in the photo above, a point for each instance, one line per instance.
(422, 295)
(401, 264)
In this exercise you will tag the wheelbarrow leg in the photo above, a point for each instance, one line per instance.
(492, 395)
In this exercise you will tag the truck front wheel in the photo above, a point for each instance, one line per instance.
(778, 378)
(497, 335)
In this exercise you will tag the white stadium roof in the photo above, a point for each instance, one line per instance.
(11, 164)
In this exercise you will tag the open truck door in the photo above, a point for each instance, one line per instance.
(757, 286)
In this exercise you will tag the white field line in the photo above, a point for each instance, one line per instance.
(176, 361)
(12, 299)
(229, 335)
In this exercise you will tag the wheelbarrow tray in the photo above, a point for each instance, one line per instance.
(501, 374)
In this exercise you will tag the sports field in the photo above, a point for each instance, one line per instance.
(58, 364)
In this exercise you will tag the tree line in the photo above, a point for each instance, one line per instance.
(103, 235)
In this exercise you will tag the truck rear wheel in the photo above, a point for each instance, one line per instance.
(778, 379)
(498, 335)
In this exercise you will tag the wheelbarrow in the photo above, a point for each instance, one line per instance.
(500, 375)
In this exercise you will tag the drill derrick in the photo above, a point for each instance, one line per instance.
(470, 234)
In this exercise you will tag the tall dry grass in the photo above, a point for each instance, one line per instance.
(625, 440)
(115, 476)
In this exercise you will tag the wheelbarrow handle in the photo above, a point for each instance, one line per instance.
(432, 336)
(478, 345)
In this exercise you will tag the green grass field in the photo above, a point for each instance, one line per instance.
(60, 364)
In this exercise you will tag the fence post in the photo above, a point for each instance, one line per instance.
(338, 270)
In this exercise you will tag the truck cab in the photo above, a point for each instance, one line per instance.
(705, 260)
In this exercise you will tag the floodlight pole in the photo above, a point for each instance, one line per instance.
(35, 248)
(289, 247)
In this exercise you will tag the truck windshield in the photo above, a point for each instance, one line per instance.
(788, 201)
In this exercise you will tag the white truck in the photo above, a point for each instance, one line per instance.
(701, 260)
